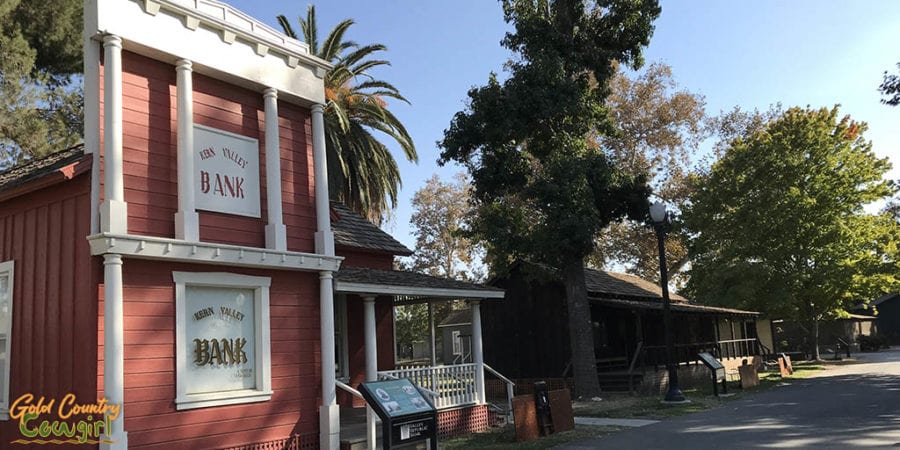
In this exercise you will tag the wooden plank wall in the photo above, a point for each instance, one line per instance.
(150, 166)
(151, 419)
(54, 309)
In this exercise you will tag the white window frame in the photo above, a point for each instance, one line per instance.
(456, 339)
(7, 269)
(263, 356)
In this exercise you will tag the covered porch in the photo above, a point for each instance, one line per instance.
(450, 386)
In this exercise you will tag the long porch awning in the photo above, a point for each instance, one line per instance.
(682, 307)
(408, 285)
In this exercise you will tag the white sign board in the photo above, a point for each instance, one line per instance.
(226, 172)
(221, 339)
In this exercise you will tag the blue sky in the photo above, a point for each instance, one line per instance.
(750, 53)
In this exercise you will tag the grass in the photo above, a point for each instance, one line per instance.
(626, 406)
(505, 438)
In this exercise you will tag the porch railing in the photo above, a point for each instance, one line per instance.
(454, 385)
(655, 355)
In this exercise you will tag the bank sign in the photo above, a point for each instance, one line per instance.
(226, 172)
(220, 337)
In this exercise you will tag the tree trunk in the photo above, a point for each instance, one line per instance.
(814, 340)
(581, 331)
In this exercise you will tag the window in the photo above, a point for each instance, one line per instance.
(222, 339)
(457, 342)
(6, 304)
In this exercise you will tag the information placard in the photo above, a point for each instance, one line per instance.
(710, 361)
(406, 415)
(399, 397)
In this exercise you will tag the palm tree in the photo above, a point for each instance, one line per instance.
(362, 172)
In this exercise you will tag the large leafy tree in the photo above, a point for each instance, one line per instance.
(440, 213)
(779, 222)
(361, 170)
(543, 193)
(658, 128)
(40, 93)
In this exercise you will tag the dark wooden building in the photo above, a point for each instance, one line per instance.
(527, 335)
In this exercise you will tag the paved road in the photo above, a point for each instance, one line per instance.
(847, 406)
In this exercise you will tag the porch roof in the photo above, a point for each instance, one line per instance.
(676, 306)
(410, 285)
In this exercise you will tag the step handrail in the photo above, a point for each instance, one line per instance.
(510, 389)
(347, 388)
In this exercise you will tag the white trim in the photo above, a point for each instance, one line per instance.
(147, 247)
(7, 268)
(221, 41)
(386, 289)
(262, 338)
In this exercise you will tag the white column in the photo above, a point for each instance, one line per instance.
(276, 233)
(371, 361)
(114, 210)
(91, 79)
(113, 348)
(329, 413)
(477, 353)
(431, 334)
(324, 236)
(187, 221)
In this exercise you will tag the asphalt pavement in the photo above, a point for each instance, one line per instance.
(855, 405)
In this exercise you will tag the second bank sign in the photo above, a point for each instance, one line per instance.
(226, 177)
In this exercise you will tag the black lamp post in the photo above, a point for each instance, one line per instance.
(661, 220)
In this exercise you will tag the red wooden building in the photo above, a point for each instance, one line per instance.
(184, 263)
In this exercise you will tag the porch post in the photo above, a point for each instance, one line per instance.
(431, 333)
(477, 355)
(371, 361)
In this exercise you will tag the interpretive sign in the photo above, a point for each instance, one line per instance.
(718, 371)
(226, 172)
(406, 415)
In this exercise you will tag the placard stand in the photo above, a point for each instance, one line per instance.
(406, 415)
(718, 372)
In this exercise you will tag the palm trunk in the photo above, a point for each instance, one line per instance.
(581, 331)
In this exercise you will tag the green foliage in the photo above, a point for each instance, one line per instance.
(41, 100)
(890, 88)
(362, 173)
(779, 225)
(541, 192)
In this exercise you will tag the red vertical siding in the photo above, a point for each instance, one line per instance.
(54, 299)
(151, 419)
(149, 145)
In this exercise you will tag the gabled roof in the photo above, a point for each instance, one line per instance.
(624, 286)
(37, 168)
(352, 230)
(457, 317)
